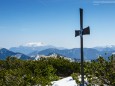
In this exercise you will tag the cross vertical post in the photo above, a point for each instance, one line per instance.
(80, 33)
(81, 36)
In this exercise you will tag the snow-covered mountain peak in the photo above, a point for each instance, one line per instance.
(34, 44)
(110, 46)
(105, 48)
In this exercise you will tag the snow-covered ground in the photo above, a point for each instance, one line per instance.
(65, 82)
(69, 81)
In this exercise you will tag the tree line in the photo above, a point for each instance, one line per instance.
(17, 72)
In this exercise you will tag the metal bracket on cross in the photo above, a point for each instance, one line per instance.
(80, 33)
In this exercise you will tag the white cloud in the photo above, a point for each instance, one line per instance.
(34, 44)
(98, 2)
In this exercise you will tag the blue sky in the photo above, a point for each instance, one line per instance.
(54, 22)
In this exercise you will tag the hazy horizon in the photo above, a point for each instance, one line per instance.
(36, 44)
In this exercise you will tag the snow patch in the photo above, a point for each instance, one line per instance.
(17, 55)
(65, 82)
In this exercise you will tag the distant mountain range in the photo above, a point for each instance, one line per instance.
(31, 47)
(33, 50)
(4, 53)
(89, 53)
(105, 48)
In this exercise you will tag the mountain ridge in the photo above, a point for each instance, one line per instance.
(33, 46)
(4, 53)
(89, 53)
(72, 53)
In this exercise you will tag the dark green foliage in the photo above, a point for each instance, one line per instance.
(64, 67)
(16, 72)
(102, 70)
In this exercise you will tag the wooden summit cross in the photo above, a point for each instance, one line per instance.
(80, 33)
